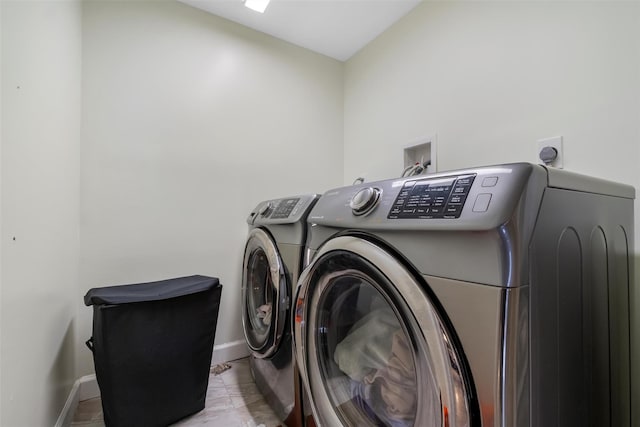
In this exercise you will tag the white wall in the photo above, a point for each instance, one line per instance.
(188, 122)
(490, 79)
(41, 73)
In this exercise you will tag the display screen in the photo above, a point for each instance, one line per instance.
(432, 198)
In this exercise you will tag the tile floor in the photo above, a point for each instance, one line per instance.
(233, 400)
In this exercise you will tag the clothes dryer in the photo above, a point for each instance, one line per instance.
(493, 296)
(271, 266)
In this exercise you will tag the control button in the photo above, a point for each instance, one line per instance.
(408, 211)
(490, 181)
(453, 209)
(466, 180)
(460, 190)
(482, 202)
(458, 198)
(437, 211)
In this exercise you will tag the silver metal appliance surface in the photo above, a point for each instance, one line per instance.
(493, 296)
(271, 266)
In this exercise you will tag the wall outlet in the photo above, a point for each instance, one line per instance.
(549, 152)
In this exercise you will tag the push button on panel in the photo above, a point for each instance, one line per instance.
(460, 190)
(482, 202)
(456, 199)
(465, 181)
(490, 181)
(437, 210)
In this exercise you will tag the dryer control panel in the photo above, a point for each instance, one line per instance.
(282, 211)
(432, 198)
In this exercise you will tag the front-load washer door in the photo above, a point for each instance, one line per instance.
(372, 347)
(265, 296)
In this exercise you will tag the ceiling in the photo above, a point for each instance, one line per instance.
(336, 28)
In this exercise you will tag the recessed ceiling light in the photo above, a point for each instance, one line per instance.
(257, 5)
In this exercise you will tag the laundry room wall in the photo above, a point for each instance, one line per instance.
(489, 79)
(39, 213)
(189, 121)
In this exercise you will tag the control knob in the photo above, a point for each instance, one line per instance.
(265, 209)
(365, 200)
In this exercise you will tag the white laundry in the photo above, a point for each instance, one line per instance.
(264, 312)
(367, 346)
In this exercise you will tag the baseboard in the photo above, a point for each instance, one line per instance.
(84, 388)
(87, 387)
(229, 351)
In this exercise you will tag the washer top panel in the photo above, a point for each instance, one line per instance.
(471, 199)
(287, 210)
(572, 181)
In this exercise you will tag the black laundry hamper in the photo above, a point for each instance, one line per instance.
(152, 345)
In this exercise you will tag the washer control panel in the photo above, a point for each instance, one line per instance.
(287, 210)
(479, 198)
(284, 208)
(432, 198)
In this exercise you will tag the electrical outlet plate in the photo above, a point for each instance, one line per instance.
(555, 142)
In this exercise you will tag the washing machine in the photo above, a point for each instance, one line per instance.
(271, 266)
(486, 297)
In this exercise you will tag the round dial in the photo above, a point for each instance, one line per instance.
(265, 209)
(364, 200)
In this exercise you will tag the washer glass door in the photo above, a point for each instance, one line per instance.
(373, 348)
(264, 294)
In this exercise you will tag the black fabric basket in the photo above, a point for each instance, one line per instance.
(152, 345)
